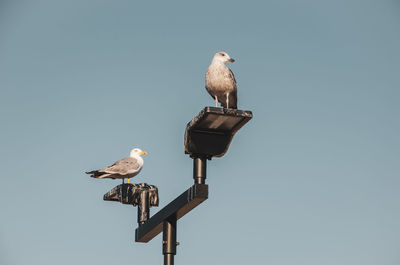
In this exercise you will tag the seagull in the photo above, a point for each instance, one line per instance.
(125, 168)
(220, 81)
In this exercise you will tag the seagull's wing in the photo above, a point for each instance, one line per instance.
(231, 76)
(233, 100)
(124, 166)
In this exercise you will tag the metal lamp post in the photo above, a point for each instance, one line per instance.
(207, 135)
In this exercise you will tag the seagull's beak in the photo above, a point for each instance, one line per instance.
(231, 60)
(143, 153)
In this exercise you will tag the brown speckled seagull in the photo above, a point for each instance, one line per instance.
(125, 168)
(220, 81)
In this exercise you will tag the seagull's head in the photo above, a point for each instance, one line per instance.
(222, 57)
(137, 152)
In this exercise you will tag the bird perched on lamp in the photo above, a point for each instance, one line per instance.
(125, 168)
(220, 81)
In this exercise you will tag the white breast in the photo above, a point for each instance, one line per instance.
(218, 78)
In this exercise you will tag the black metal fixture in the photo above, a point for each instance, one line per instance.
(207, 135)
(210, 133)
(142, 195)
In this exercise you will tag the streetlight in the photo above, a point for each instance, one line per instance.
(207, 135)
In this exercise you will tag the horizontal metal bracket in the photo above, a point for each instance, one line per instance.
(183, 204)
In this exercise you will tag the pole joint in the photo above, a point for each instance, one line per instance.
(199, 169)
(169, 240)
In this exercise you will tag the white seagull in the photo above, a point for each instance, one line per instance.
(124, 168)
(220, 81)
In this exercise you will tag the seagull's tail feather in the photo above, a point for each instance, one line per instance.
(104, 176)
(98, 174)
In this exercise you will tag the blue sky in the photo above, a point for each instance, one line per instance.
(312, 179)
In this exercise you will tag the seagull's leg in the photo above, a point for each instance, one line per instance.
(216, 101)
(120, 191)
(227, 101)
(123, 182)
(129, 181)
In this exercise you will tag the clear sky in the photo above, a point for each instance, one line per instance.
(313, 179)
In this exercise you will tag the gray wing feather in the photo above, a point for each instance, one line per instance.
(123, 166)
(232, 77)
